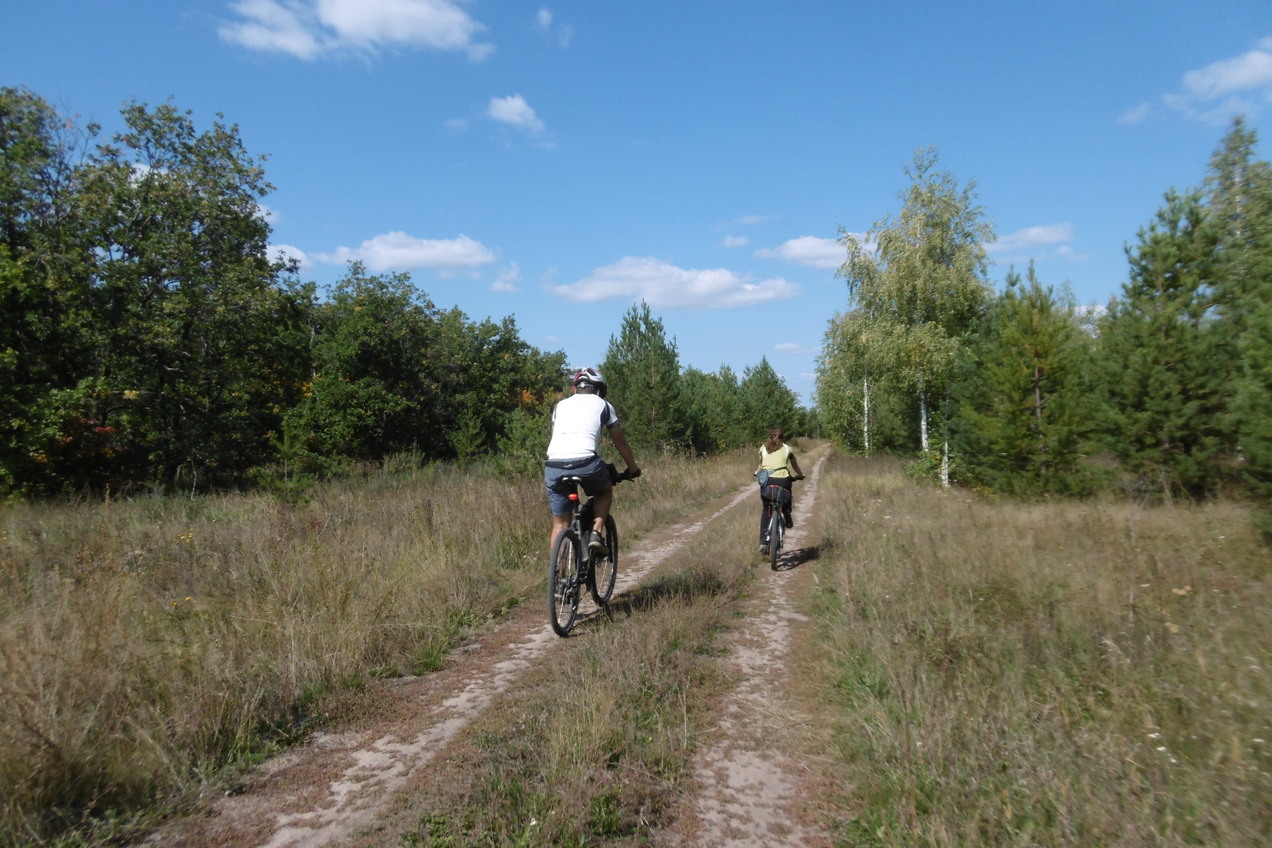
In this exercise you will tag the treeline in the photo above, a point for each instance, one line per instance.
(1166, 392)
(148, 339)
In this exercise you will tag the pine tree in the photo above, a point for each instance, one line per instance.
(1022, 415)
(643, 371)
(1240, 202)
(1160, 356)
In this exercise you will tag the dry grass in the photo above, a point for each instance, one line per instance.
(595, 748)
(1055, 674)
(148, 646)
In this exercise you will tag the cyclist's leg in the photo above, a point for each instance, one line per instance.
(787, 484)
(558, 502)
(764, 519)
(601, 504)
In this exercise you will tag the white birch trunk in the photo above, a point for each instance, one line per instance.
(923, 421)
(865, 413)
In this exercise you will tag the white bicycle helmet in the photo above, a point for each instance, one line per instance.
(592, 377)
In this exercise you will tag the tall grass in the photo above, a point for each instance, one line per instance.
(147, 646)
(1046, 674)
(595, 748)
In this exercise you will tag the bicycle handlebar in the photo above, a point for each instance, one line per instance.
(617, 476)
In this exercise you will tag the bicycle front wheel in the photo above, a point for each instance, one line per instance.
(563, 582)
(776, 528)
(605, 571)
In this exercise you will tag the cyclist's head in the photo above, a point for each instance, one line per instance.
(589, 380)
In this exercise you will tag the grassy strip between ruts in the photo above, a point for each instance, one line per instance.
(148, 646)
(593, 748)
(1049, 674)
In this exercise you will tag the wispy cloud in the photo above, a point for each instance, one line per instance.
(1048, 240)
(309, 29)
(543, 21)
(515, 111)
(1241, 84)
(735, 241)
(507, 279)
(1138, 115)
(398, 251)
(288, 253)
(666, 286)
(795, 348)
(811, 251)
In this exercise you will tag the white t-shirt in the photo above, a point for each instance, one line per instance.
(577, 422)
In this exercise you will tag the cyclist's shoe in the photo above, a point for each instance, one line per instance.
(764, 549)
(596, 545)
(790, 522)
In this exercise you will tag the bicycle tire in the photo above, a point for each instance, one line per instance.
(776, 528)
(604, 572)
(563, 582)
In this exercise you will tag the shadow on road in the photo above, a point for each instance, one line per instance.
(795, 557)
(683, 585)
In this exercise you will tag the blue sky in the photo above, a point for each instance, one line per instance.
(559, 162)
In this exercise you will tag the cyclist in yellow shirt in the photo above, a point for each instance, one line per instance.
(778, 459)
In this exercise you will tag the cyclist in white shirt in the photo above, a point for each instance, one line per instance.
(577, 424)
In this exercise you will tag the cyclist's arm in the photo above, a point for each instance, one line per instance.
(795, 466)
(619, 438)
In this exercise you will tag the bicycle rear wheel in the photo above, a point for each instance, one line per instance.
(776, 528)
(563, 582)
(605, 571)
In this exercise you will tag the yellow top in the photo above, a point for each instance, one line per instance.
(775, 462)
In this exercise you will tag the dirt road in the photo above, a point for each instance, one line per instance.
(754, 784)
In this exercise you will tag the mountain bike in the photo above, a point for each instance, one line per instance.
(774, 498)
(572, 564)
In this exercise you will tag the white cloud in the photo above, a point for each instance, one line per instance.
(398, 251)
(795, 348)
(543, 21)
(735, 241)
(807, 250)
(1138, 115)
(1032, 237)
(516, 111)
(307, 29)
(286, 253)
(1048, 241)
(666, 286)
(1242, 84)
(507, 279)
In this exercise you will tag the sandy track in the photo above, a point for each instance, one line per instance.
(325, 791)
(748, 788)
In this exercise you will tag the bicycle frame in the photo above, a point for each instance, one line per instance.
(573, 565)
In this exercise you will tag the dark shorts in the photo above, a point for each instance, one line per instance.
(596, 479)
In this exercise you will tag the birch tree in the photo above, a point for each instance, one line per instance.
(919, 281)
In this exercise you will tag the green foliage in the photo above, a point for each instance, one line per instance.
(717, 421)
(863, 405)
(146, 338)
(1160, 365)
(1240, 193)
(643, 371)
(917, 284)
(1022, 415)
(392, 374)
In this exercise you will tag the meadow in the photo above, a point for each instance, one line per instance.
(1060, 673)
(991, 672)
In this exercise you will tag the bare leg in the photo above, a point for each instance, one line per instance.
(601, 509)
(559, 523)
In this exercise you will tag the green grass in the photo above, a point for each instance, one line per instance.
(1055, 674)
